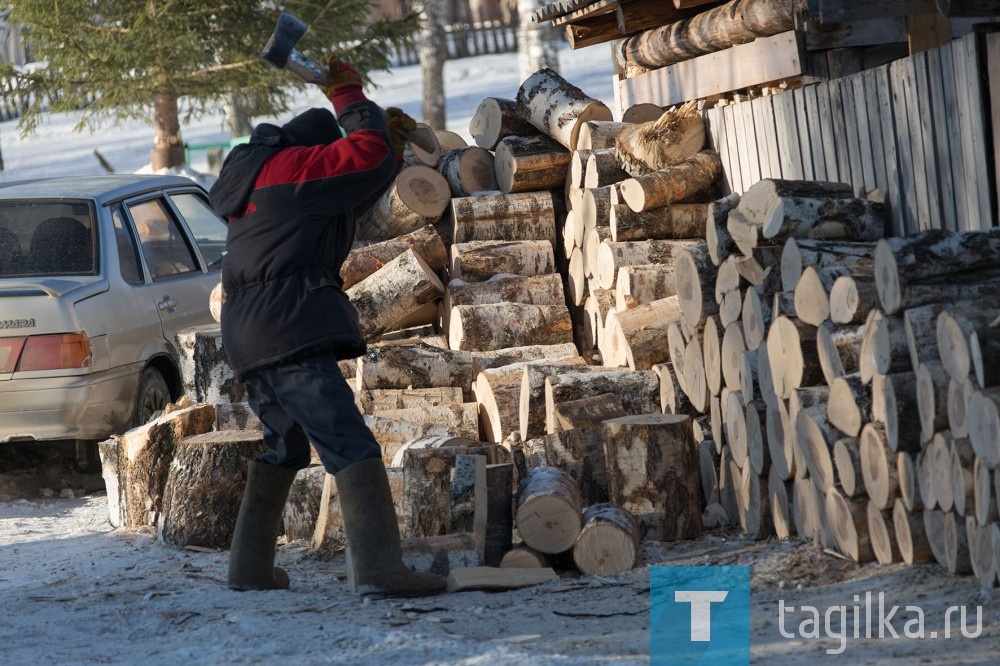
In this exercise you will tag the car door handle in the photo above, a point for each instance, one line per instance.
(167, 304)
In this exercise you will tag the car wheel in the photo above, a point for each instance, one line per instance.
(153, 395)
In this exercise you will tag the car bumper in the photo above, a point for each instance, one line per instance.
(93, 406)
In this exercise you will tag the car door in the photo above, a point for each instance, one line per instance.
(180, 285)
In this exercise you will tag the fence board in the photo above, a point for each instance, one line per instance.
(938, 113)
(763, 119)
(853, 137)
(753, 157)
(993, 74)
(952, 134)
(925, 126)
(840, 131)
(901, 121)
(977, 117)
(719, 142)
(787, 132)
(871, 101)
(802, 123)
(860, 112)
(894, 176)
(816, 134)
(960, 57)
(827, 131)
(736, 174)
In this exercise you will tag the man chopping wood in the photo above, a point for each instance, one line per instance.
(291, 196)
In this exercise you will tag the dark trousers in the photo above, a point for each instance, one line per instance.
(307, 400)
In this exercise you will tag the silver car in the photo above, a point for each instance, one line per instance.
(97, 276)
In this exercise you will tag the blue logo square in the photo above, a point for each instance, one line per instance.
(699, 615)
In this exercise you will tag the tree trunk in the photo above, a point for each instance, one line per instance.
(653, 473)
(504, 217)
(393, 292)
(557, 107)
(417, 197)
(477, 261)
(497, 118)
(537, 41)
(548, 510)
(204, 489)
(608, 542)
(530, 164)
(168, 147)
(433, 54)
(365, 260)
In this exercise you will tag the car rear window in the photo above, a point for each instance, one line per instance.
(43, 238)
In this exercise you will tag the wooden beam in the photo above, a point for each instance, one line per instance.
(821, 36)
(595, 9)
(597, 30)
(686, 4)
(645, 14)
(927, 31)
(837, 11)
(765, 60)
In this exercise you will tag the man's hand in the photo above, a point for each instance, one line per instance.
(343, 85)
(400, 126)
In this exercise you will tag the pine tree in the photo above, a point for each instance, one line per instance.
(171, 61)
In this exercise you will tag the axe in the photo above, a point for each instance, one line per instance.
(280, 51)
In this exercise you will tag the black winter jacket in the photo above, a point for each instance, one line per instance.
(292, 212)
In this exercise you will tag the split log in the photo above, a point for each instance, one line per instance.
(900, 262)
(393, 292)
(204, 488)
(608, 542)
(902, 414)
(638, 391)
(603, 170)
(498, 393)
(418, 196)
(329, 535)
(449, 140)
(468, 498)
(611, 256)
(578, 170)
(414, 365)
(523, 557)
(882, 534)
(138, 464)
(468, 170)
(477, 261)
(504, 217)
(529, 164)
(911, 539)
(367, 259)
(417, 155)
(852, 298)
(576, 280)
(427, 482)
(653, 473)
(549, 510)
(494, 359)
(461, 579)
(497, 118)
(579, 451)
(499, 325)
(303, 505)
(884, 349)
(599, 134)
(557, 107)
(461, 418)
(672, 184)
(720, 243)
(672, 221)
(848, 519)
(676, 135)
(695, 281)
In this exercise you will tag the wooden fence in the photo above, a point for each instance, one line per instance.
(922, 129)
(468, 39)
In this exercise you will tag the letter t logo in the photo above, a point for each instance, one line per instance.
(701, 610)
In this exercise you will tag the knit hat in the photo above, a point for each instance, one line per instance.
(315, 127)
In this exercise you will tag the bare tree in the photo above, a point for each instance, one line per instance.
(433, 53)
(537, 43)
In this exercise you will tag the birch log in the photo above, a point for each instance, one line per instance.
(499, 325)
(418, 196)
(557, 107)
(476, 261)
(506, 217)
(671, 221)
(497, 118)
(528, 164)
(396, 290)
(366, 260)
(672, 184)
(548, 511)
(467, 170)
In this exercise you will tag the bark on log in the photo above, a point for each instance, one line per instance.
(675, 135)
(477, 261)
(603, 170)
(642, 284)
(499, 512)
(608, 542)
(579, 451)
(499, 325)
(828, 218)
(506, 217)
(394, 292)
(417, 197)
(878, 468)
(497, 118)
(468, 170)
(839, 348)
(494, 359)
(204, 488)
(668, 222)
(957, 326)
(365, 260)
(461, 418)
(653, 473)
(638, 337)
(548, 510)
(695, 281)
(910, 536)
(882, 534)
(414, 365)
(757, 203)
(304, 500)
(611, 256)
(144, 455)
(532, 398)
(797, 253)
(791, 349)
(205, 370)
(672, 184)
(529, 164)
(717, 237)
(557, 107)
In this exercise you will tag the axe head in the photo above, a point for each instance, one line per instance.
(287, 32)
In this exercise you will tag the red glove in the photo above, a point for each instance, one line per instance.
(343, 84)
(400, 125)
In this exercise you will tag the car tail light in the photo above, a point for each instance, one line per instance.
(10, 351)
(55, 352)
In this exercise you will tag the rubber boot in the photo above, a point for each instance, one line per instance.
(251, 557)
(373, 535)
